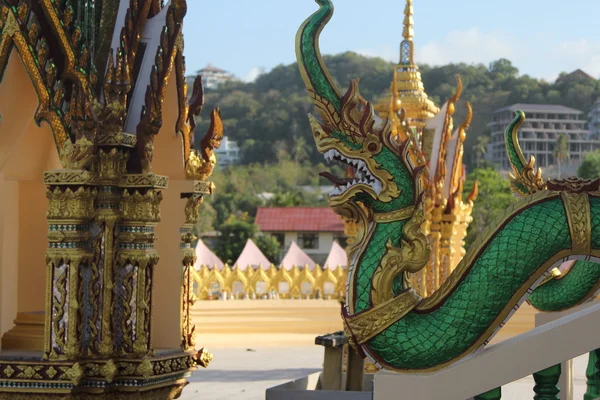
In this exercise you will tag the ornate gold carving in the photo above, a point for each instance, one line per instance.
(70, 177)
(577, 206)
(411, 256)
(145, 180)
(74, 374)
(140, 207)
(70, 204)
(368, 324)
(203, 357)
(204, 187)
(574, 185)
(11, 26)
(392, 216)
(145, 368)
(192, 206)
(112, 163)
(201, 163)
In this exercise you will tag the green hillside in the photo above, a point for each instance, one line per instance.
(269, 115)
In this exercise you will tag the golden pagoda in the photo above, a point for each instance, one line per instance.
(99, 193)
(435, 144)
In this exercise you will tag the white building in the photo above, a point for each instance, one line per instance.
(212, 76)
(594, 119)
(539, 133)
(228, 153)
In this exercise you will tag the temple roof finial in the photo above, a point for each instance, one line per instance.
(408, 31)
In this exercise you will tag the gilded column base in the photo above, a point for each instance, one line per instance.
(25, 375)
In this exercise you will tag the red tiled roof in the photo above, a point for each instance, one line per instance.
(298, 219)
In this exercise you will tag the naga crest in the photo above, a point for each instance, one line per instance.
(201, 163)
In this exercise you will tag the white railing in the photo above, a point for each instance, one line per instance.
(572, 334)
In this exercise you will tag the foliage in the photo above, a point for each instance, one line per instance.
(494, 197)
(268, 116)
(235, 232)
(590, 167)
(269, 246)
(561, 151)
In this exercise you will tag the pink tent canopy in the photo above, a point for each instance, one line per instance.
(337, 257)
(251, 257)
(295, 256)
(206, 257)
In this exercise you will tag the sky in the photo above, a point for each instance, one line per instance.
(541, 37)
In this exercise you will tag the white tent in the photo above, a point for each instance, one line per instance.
(337, 257)
(251, 256)
(295, 256)
(204, 256)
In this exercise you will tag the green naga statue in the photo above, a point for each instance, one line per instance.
(384, 318)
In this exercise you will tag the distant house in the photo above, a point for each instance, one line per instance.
(313, 228)
(577, 74)
(212, 76)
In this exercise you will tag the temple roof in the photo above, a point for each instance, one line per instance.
(538, 108)
(295, 256)
(298, 219)
(251, 256)
(204, 256)
(337, 257)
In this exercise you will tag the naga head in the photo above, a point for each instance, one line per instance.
(382, 177)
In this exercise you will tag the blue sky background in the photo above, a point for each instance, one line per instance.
(541, 37)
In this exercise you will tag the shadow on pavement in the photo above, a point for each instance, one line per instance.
(211, 375)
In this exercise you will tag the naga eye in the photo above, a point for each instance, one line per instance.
(372, 147)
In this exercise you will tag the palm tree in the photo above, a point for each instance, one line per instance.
(561, 151)
(480, 149)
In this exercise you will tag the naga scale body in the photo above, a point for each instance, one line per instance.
(510, 262)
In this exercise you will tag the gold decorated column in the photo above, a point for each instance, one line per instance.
(193, 201)
(70, 263)
(135, 262)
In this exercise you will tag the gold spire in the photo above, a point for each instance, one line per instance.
(407, 88)
(408, 31)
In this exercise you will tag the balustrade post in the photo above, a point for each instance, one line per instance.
(592, 373)
(546, 382)
(565, 382)
(494, 394)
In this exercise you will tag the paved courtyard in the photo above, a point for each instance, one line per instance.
(237, 373)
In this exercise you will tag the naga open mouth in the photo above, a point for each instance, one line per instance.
(360, 174)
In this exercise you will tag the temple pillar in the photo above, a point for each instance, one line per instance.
(71, 306)
(135, 263)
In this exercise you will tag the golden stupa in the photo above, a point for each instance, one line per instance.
(433, 142)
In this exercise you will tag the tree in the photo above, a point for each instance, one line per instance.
(233, 235)
(480, 149)
(561, 151)
(269, 247)
(590, 167)
(493, 198)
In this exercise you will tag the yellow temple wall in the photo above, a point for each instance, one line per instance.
(9, 251)
(33, 243)
(26, 151)
(168, 160)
